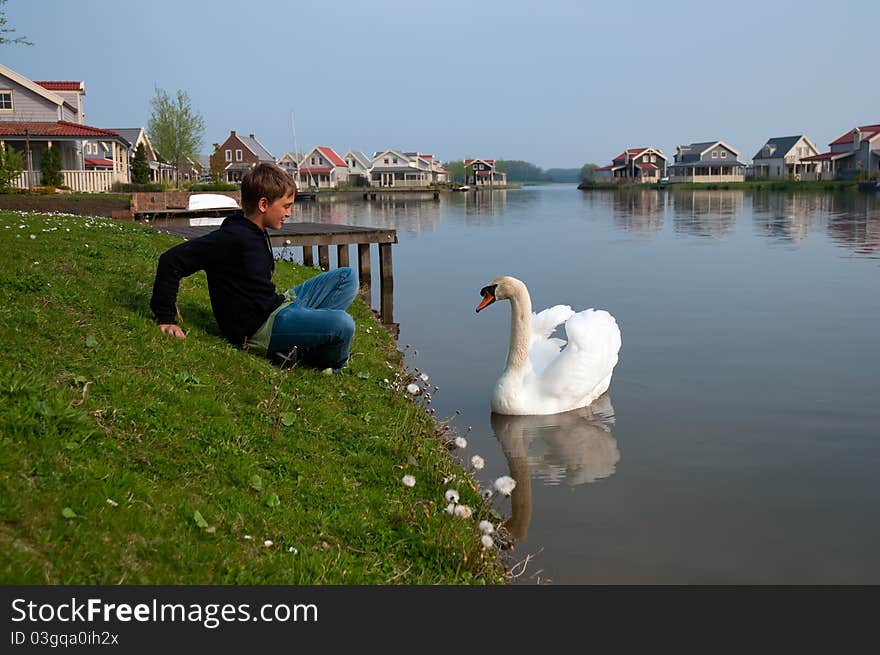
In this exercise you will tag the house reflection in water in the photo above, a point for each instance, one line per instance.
(574, 448)
(710, 213)
(640, 210)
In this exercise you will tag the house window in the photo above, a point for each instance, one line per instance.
(395, 160)
(228, 155)
(723, 154)
(714, 154)
(238, 154)
(653, 158)
(386, 160)
(5, 99)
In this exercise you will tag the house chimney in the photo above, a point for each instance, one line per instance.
(857, 139)
(232, 133)
(252, 136)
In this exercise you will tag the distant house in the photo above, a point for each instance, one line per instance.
(392, 168)
(854, 153)
(36, 116)
(159, 171)
(239, 155)
(483, 172)
(358, 165)
(782, 157)
(636, 165)
(289, 163)
(322, 167)
(438, 174)
(706, 161)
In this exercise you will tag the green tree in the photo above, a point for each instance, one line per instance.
(5, 31)
(457, 170)
(140, 167)
(521, 171)
(11, 166)
(588, 171)
(50, 167)
(176, 129)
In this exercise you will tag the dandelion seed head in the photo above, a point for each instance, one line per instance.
(460, 442)
(408, 480)
(478, 462)
(450, 508)
(463, 511)
(268, 543)
(412, 388)
(487, 541)
(486, 527)
(452, 495)
(505, 485)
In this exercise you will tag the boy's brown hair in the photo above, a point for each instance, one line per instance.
(264, 181)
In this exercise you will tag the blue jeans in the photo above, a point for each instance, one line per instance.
(316, 322)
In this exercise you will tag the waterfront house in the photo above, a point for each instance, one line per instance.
(783, 157)
(159, 171)
(706, 161)
(289, 163)
(392, 168)
(854, 153)
(239, 155)
(358, 166)
(636, 165)
(36, 116)
(484, 172)
(322, 168)
(439, 175)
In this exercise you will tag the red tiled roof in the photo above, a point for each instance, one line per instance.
(60, 86)
(648, 167)
(59, 128)
(872, 131)
(632, 152)
(829, 155)
(330, 154)
(316, 170)
(97, 161)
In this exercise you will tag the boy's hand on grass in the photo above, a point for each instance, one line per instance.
(173, 330)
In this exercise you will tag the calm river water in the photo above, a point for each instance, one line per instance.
(740, 439)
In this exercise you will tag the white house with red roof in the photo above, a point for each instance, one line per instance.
(852, 154)
(322, 168)
(36, 116)
(484, 172)
(636, 165)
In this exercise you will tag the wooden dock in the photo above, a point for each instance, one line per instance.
(323, 236)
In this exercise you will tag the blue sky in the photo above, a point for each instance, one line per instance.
(558, 83)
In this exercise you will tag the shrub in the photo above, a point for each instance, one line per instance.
(50, 167)
(10, 166)
(140, 167)
(125, 187)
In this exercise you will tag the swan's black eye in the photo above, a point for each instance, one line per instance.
(488, 290)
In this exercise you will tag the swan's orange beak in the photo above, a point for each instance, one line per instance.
(488, 298)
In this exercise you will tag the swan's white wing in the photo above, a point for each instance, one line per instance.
(543, 348)
(543, 323)
(582, 371)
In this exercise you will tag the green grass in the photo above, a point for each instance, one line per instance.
(131, 457)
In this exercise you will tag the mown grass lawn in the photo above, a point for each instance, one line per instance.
(128, 457)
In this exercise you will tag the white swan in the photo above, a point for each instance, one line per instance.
(544, 375)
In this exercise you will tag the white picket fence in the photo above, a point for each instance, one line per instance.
(84, 181)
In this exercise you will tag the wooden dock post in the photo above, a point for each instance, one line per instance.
(386, 284)
(324, 257)
(308, 256)
(364, 270)
(342, 255)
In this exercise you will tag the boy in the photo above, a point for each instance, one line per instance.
(237, 259)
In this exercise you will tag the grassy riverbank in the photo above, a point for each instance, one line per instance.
(129, 457)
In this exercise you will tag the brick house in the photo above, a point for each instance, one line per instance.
(238, 155)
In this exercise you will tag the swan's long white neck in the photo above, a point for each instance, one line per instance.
(520, 328)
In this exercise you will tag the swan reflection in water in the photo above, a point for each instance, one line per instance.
(575, 447)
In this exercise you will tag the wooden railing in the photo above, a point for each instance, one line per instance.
(85, 181)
